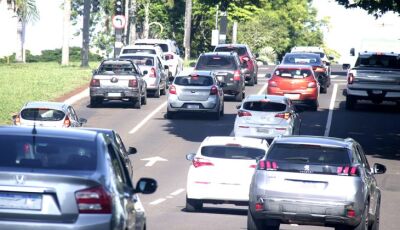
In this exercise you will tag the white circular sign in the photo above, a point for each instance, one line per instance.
(119, 21)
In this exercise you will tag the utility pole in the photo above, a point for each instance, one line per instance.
(85, 34)
(66, 27)
(188, 25)
(132, 22)
(234, 32)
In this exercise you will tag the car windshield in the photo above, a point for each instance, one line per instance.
(378, 61)
(292, 73)
(303, 60)
(232, 152)
(47, 153)
(117, 68)
(264, 106)
(208, 62)
(193, 80)
(141, 60)
(42, 114)
(241, 51)
(147, 51)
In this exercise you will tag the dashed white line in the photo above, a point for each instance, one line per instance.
(147, 118)
(158, 201)
(331, 107)
(177, 192)
(262, 90)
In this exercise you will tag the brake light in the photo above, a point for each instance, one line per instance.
(214, 90)
(272, 84)
(259, 206)
(93, 200)
(285, 116)
(198, 162)
(267, 165)
(347, 171)
(172, 89)
(133, 83)
(312, 84)
(169, 56)
(246, 59)
(242, 113)
(67, 122)
(319, 69)
(17, 120)
(350, 78)
(95, 83)
(152, 72)
(350, 213)
(236, 75)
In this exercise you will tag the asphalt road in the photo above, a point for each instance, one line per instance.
(375, 126)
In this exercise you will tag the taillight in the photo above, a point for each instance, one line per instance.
(350, 78)
(67, 122)
(133, 83)
(312, 84)
(236, 75)
(267, 165)
(214, 90)
(319, 69)
(242, 113)
(347, 171)
(350, 212)
(285, 116)
(93, 200)
(95, 83)
(169, 56)
(152, 72)
(198, 162)
(272, 84)
(172, 89)
(17, 120)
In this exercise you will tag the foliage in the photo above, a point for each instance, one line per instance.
(374, 7)
(25, 9)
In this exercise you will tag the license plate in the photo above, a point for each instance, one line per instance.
(263, 130)
(377, 91)
(114, 94)
(20, 201)
(292, 96)
(193, 106)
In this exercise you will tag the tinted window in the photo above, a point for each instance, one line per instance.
(302, 59)
(164, 47)
(232, 152)
(378, 61)
(117, 68)
(42, 114)
(264, 106)
(147, 51)
(212, 62)
(47, 153)
(140, 60)
(239, 50)
(292, 73)
(194, 81)
(308, 154)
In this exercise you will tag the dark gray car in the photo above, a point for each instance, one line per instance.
(65, 179)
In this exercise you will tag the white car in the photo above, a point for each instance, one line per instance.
(266, 116)
(221, 170)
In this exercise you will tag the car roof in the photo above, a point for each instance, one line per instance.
(46, 104)
(307, 49)
(98, 130)
(379, 53)
(137, 54)
(304, 54)
(314, 140)
(62, 133)
(244, 141)
(117, 61)
(293, 66)
(187, 72)
(153, 40)
(272, 98)
(220, 53)
(140, 46)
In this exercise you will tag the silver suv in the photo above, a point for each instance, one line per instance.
(315, 181)
(197, 91)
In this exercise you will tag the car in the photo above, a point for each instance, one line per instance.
(228, 69)
(55, 178)
(221, 171)
(314, 180)
(326, 59)
(196, 91)
(297, 82)
(314, 60)
(246, 57)
(171, 53)
(266, 116)
(118, 79)
(153, 72)
(48, 114)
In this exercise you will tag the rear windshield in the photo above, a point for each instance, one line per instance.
(141, 60)
(42, 114)
(232, 152)
(47, 153)
(194, 80)
(308, 154)
(303, 60)
(292, 73)
(208, 62)
(164, 47)
(239, 50)
(117, 68)
(378, 61)
(147, 51)
(264, 106)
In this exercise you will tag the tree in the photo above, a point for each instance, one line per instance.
(374, 7)
(66, 29)
(188, 26)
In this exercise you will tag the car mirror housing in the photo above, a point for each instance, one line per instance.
(190, 156)
(146, 186)
(268, 75)
(82, 120)
(132, 150)
(94, 72)
(379, 168)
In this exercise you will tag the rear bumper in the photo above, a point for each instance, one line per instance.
(217, 193)
(244, 130)
(175, 105)
(373, 94)
(309, 94)
(112, 93)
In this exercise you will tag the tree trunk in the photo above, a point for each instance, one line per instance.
(188, 22)
(20, 52)
(146, 26)
(132, 22)
(85, 34)
(66, 30)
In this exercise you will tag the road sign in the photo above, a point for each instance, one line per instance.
(119, 21)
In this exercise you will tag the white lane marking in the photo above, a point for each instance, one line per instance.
(158, 201)
(339, 80)
(331, 107)
(169, 197)
(177, 192)
(153, 160)
(262, 90)
(147, 118)
(77, 97)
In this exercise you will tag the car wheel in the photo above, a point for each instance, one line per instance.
(144, 98)
(350, 102)
(222, 110)
(164, 90)
(254, 224)
(193, 205)
(251, 81)
(375, 224)
(239, 96)
(216, 115)
(314, 105)
(137, 103)
(94, 101)
(157, 92)
(170, 115)
(323, 89)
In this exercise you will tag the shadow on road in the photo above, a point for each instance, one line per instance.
(222, 211)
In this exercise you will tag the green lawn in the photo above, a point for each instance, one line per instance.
(20, 83)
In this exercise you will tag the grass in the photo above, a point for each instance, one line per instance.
(20, 83)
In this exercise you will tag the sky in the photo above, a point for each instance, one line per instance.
(348, 27)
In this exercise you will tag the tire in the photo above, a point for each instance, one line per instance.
(216, 115)
(137, 103)
(254, 224)
(239, 96)
(94, 102)
(256, 78)
(314, 106)
(144, 98)
(350, 102)
(323, 89)
(251, 81)
(157, 93)
(222, 113)
(193, 205)
(170, 115)
(375, 224)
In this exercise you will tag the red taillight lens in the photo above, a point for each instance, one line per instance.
(267, 165)
(242, 113)
(347, 171)
(17, 120)
(152, 72)
(172, 89)
(272, 84)
(169, 56)
(236, 75)
(350, 213)
(259, 206)
(350, 78)
(133, 83)
(198, 162)
(67, 122)
(312, 84)
(285, 116)
(214, 90)
(95, 83)
(93, 200)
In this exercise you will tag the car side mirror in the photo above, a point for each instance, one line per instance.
(190, 156)
(268, 75)
(132, 150)
(238, 106)
(82, 120)
(166, 67)
(346, 66)
(145, 72)
(146, 186)
(331, 58)
(379, 168)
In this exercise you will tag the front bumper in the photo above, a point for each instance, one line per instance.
(114, 93)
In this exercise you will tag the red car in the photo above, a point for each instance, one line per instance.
(245, 56)
(297, 82)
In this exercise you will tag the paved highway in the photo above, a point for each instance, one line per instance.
(162, 145)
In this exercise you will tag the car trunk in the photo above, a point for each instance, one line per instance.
(193, 93)
(114, 81)
(225, 76)
(376, 76)
(264, 118)
(292, 83)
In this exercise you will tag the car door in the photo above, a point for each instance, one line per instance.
(161, 73)
(73, 117)
(124, 154)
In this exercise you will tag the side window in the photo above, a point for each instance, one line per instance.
(119, 167)
(363, 158)
(159, 64)
(355, 156)
(120, 143)
(72, 114)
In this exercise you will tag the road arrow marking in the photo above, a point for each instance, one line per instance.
(152, 160)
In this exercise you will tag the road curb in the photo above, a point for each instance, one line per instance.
(79, 96)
